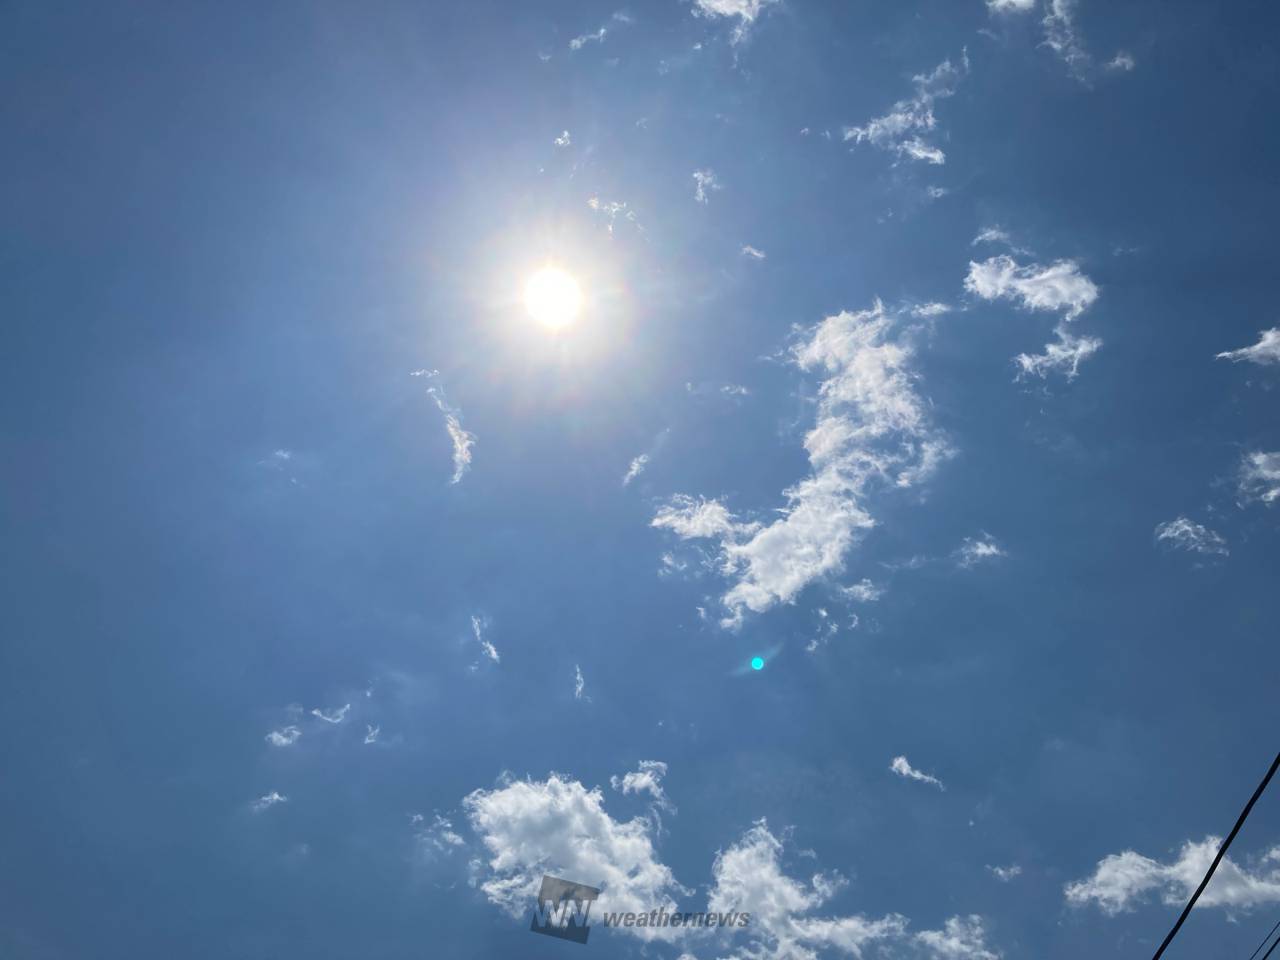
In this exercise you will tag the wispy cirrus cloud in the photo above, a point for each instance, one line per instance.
(1260, 477)
(705, 183)
(267, 801)
(903, 129)
(637, 467)
(1123, 880)
(478, 627)
(462, 440)
(1265, 351)
(332, 716)
(598, 36)
(285, 736)
(1183, 534)
(976, 550)
(1062, 35)
(903, 768)
(873, 430)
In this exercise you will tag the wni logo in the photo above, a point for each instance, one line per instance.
(563, 909)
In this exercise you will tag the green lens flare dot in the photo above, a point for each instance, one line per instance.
(757, 663)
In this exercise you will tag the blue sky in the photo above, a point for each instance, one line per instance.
(926, 350)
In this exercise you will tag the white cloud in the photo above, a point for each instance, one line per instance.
(1266, 350)
(746, 12)
(1063, 355)
(901, 129)
(1063, 38)
(579, 684)
(1122, 61)
(1182, 534)
(873, 429)
(704, 182)
(563, 140)
(902, 767)
(478, 626)
(371, 732)
(647, 779)
(612, 210)
(440, 837)
(962, 938)
(463, 441)
(557, 826)
(1005, 874)
(752, 253)
(267, 801)
(1260, 477)
(927, 310)
(578, 42)
(976, 550)
(1121, 880)
(284, 737)
(864, 591)
(1060, 286)
(637, 467)
(1010, 6)
(748, 877)
(332, 716)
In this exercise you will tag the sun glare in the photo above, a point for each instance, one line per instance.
(553, 298)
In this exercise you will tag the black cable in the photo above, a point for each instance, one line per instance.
(1218, 859)
(1273, 946)
(1264, 942)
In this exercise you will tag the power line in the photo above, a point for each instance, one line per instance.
(1218, 859)
(1273, 946)
(1264, 942)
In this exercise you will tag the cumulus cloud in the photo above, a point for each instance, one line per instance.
(976, 550)
(267, 801)
(1059, 287)
(1260, 477)
(1122, 880)
(704, 184)
(1266, 350)
(637, 467)
(647, 779)
(284, 737)
(1183, 534)
(332, 716)
(1006, 874)
(1010, 6)
(903, 768)
(927, 310)
(745, 12)
(563, 140)
(529, 828)
(371, 732)
(902, 130)
(873, 430)
(752, 253)
(749, 877)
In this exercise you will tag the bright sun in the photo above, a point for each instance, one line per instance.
(553, 298)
